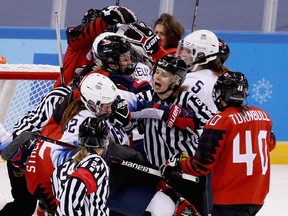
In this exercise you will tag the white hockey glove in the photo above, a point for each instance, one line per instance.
(144, 36)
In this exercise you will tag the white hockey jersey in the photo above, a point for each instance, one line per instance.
(201, 83)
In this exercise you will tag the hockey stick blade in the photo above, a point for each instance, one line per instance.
(152, 171)
(20, 140)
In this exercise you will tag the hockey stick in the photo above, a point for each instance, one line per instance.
(58, 37)
(195, 15)
(152, 171)
(24, 138)
(183, 206)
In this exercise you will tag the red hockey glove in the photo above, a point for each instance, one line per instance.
(180, 117)
(186, 120)
(115, 14)
(144, 36)
(128, 83)
(184, 207)
(171, 113)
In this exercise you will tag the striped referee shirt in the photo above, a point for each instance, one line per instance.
(161, 142)
(35, 119)
(82, 188)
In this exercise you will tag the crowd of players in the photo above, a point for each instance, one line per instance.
(152, 97)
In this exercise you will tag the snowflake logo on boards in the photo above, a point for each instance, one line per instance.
(262, 91)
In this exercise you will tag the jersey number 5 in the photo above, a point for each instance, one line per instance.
(249, 156)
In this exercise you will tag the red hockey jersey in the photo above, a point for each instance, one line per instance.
(78, 53)
(235, 149)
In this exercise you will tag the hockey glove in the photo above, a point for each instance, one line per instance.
(90, 15)
(184, 207)
(186, 120)
(144, 36)
(180, 117)
(23, 153)
(115, 14)
(171, 167)
(128, 83)
(120, 116)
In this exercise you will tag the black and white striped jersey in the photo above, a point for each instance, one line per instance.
(82, 188)
(161, 142)
(35, 119)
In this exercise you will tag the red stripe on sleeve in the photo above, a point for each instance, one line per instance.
(88, 179)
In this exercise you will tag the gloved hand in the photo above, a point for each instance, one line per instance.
(180, 117)
(22, 154)
(128, 83)
(184, 207)
(144, 36)
(81, 72)
(120, 115)
(115, 14)
(186, 120)
(171, 167)
(90, 14)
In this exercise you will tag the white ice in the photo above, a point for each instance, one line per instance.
(276, 202)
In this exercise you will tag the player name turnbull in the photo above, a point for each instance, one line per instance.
(250, 115)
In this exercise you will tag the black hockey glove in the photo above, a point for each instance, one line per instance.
(184, 207)
(90, 15)
(171, 167)
(144, 36)
(115, 14)
(120, 116)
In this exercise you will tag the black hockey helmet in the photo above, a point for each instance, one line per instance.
(224, 51)
(110, 45)
(232, 87)
(174, 65)
(93, 133)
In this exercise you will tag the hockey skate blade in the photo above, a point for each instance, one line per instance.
(20, 140)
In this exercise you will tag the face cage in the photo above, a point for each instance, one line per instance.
(95, 109)
(176, 80)
(129, 70)
(216, 96)
(186, 54)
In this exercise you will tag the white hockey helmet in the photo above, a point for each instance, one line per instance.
(95, 90)
(203, 45)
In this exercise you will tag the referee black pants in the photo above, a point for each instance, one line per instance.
(24, 202)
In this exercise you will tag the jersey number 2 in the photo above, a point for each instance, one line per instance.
(249, 156)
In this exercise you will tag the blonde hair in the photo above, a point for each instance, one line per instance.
(178, 91)
(80, 155)
(83, 152)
